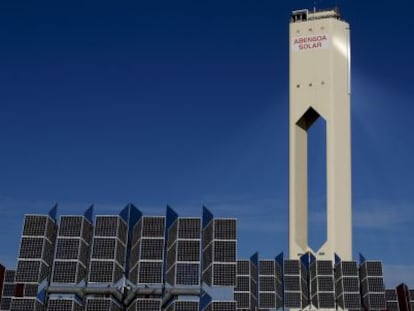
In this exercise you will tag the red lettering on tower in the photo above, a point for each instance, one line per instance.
(310, 43)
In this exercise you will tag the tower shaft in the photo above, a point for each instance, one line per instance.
(320, 87)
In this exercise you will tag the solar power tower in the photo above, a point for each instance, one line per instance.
(319, 87)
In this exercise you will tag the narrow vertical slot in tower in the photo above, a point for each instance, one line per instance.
(317, 229)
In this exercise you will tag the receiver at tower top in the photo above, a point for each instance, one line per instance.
(320, 87)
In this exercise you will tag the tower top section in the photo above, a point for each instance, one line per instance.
(306, 15)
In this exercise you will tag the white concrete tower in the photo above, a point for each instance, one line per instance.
(320, 87)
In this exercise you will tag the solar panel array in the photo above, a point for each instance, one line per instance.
(322, 286)
(183, 305)
(119, 264)
(147, 253)
(71, 261)
(246, 290)
(102, 303)
(108, 254)
(219, 252)
(9, 289)
(184, 253)
(222, 306)
(411, 298)
(295, 275)
(391, 300)
(270, 285)
(372, 285)
(26, 304)
(62, 304)
(145, 304)
(36, 249)
(347, 285)
(35, 260)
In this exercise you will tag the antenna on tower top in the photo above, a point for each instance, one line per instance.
(314, 6)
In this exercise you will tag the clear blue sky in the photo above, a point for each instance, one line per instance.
(186, 103)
